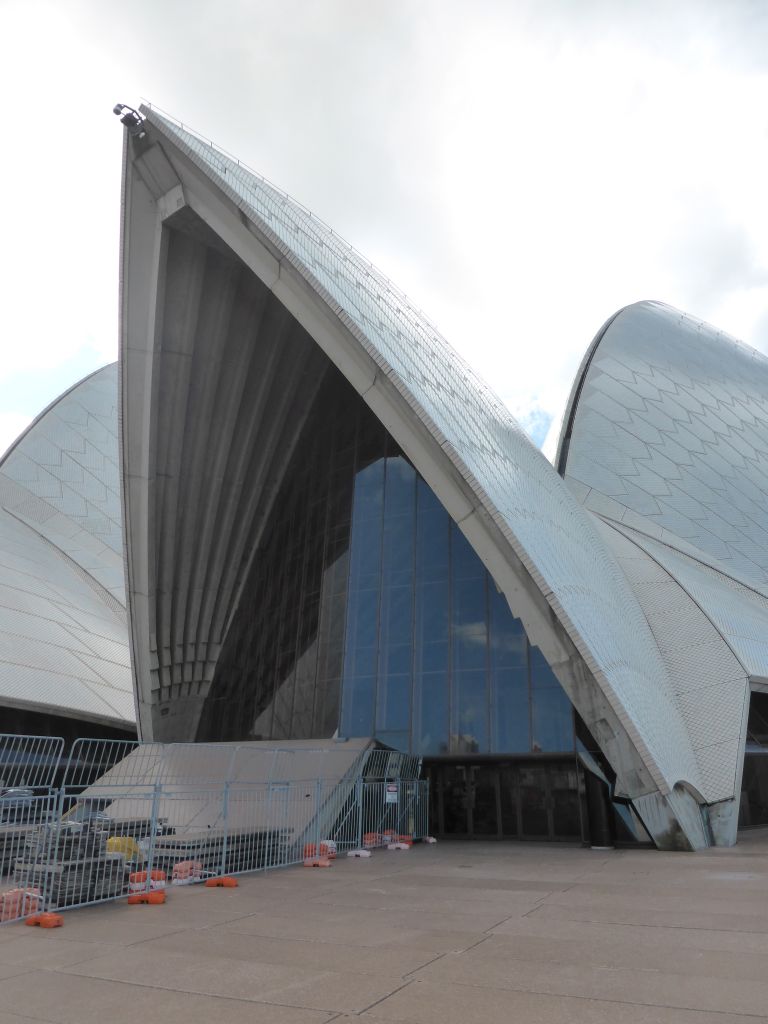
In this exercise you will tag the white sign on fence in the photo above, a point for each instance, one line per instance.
(390, 797)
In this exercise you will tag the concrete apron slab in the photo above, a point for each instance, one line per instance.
(453, 932)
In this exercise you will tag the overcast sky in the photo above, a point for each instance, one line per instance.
(520, 169)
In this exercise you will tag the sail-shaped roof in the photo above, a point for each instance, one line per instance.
(541, 546)
(666, 439)
(63, 630)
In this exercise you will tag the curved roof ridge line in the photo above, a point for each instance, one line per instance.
(419, 320)
(51, 405)
(571, 406)
(708, 561)
(627, 532)
(398, 292)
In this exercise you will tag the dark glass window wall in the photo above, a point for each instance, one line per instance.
(367, 610)
(434, 661)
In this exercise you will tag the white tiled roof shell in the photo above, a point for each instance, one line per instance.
(555, 539)
(669, 442)
(709, 679)
(62, 478)
(63, 632)
(671, 436)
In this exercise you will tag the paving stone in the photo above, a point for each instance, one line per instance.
(70, 999)
(394, 961)
(424, 1003)
(291, 985)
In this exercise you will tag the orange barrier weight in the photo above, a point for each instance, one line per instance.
(138, 881)
(153, 898)
(16, 903)
(371, 839)
(405, 839)
(327, 848)
(186, 871)
(317, 862)
(46, 920)
(221, 883)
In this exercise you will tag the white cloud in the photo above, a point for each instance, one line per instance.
(520, 170)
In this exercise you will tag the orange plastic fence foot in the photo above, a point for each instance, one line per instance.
(317, 862)
(222, 883)
(156, 897)
(46, 920)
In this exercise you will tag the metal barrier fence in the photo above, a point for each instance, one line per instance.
(67, 848)
(29, 761)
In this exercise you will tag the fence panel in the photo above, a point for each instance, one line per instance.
(390, 810)
(94, 759)
(29, 761)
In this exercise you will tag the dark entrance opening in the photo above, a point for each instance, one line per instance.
(505, 799)
(753, 809)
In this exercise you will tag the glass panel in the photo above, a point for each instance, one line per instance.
(508, 793)
(455, 802)
(510, 709)
(754, 791)
(358, 706)
(757, 726)
(566, 820)
(485, 811)
(369, 493)
(432, 710)
(432, 532)
(465, 563)
(534, 818)
(470, 706)
(396, 617)
(470, 732)
(393, 703)
(627, 826)
(431, 624)
(552, 713)
(401, 487)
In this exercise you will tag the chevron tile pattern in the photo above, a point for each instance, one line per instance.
(63, 630)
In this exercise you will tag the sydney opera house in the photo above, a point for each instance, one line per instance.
(292, 511)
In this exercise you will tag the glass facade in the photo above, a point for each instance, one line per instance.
(366, 611)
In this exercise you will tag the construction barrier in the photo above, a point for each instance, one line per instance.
(104, 832)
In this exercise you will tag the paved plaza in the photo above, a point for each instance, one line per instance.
(453, 933)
